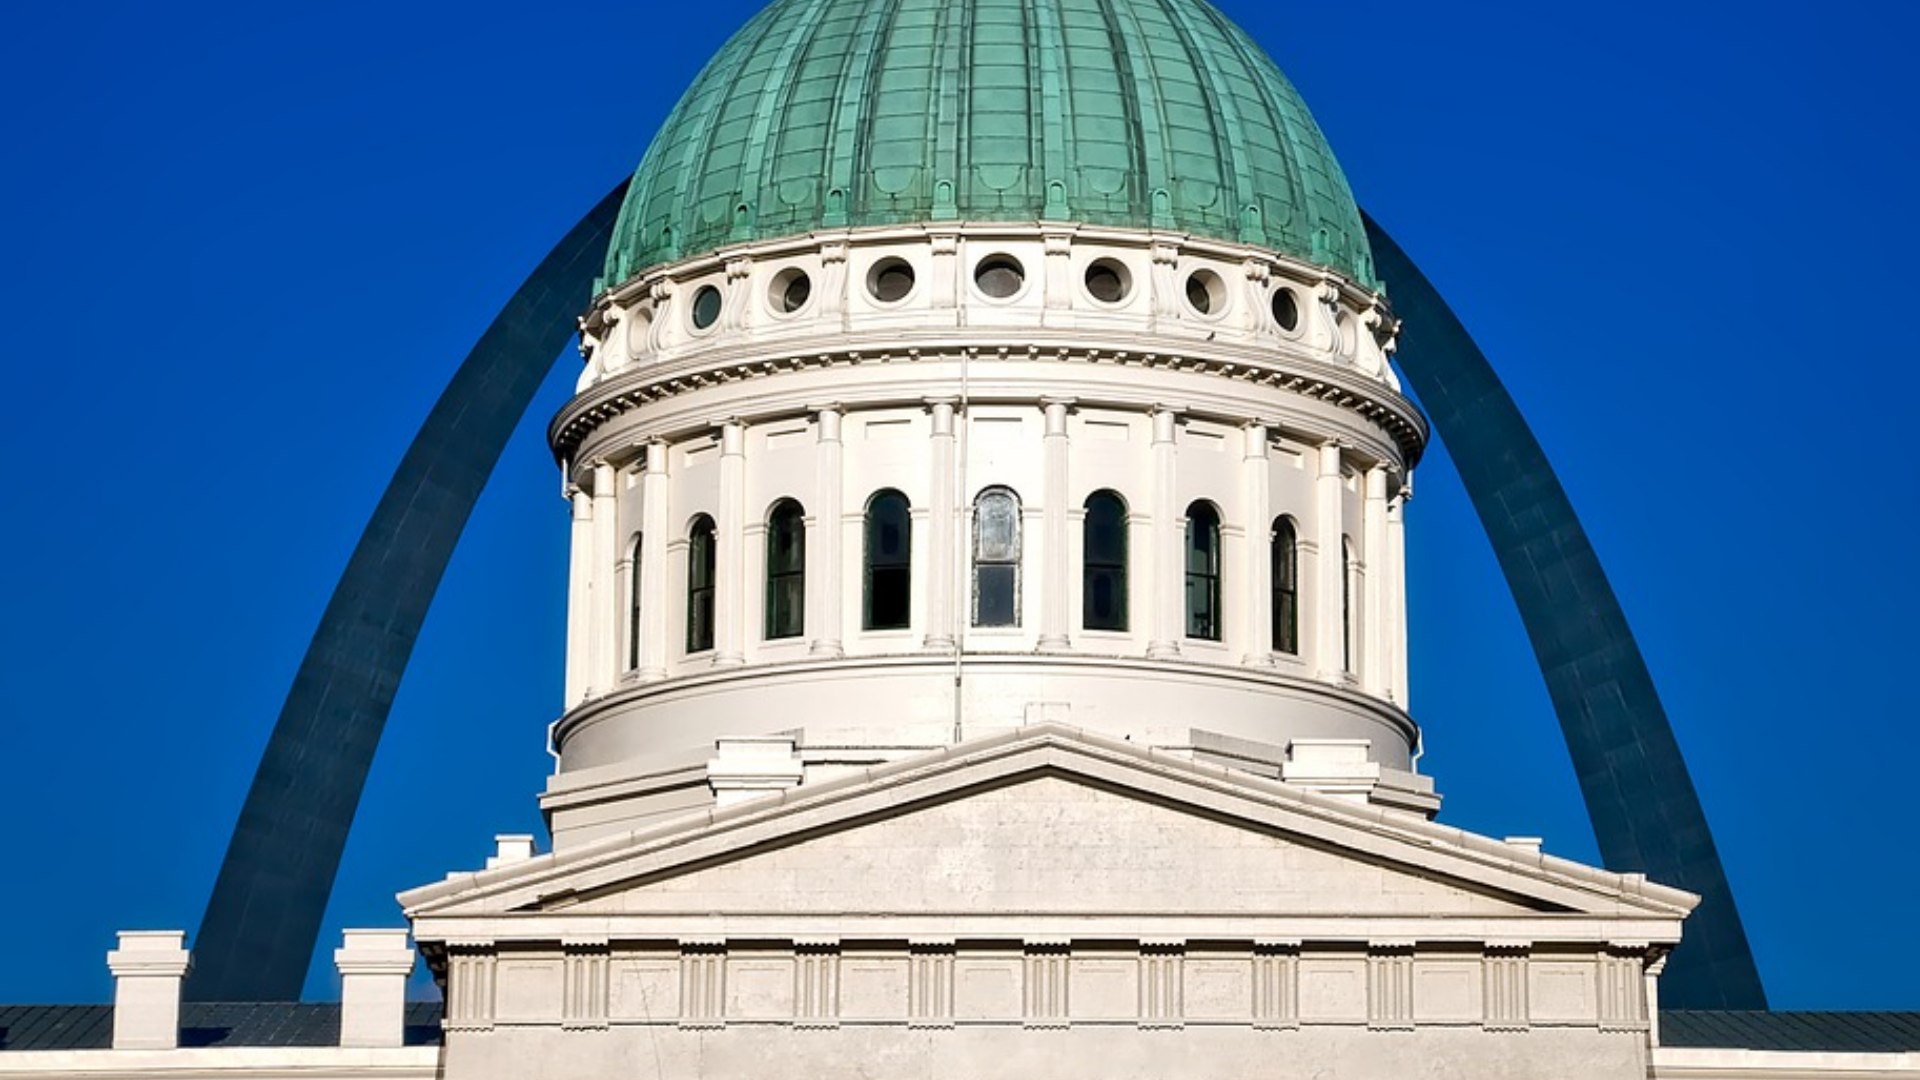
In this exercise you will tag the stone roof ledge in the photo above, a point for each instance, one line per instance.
(1056, 747)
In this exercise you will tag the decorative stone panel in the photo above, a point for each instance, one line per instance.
(470, 982)
(1276, 987)
(1390, 988)
(1506, 988)
(585, 1004)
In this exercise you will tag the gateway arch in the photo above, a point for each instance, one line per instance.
(257, 937)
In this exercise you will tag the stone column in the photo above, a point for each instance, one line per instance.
(579, 597)
(1396, 630)
(603, 610)
(825, 602)
(1058, 569)
(1330, 571)
(374, 965)
(730, 592)
(1257, 470)
(148, 968)
(1169, 581)
(655, 535)
(942, 510)
(1375, 672)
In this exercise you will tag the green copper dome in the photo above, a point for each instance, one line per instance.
(1143, 113)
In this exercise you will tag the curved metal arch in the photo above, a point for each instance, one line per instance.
(1640, 798)
(258, 935)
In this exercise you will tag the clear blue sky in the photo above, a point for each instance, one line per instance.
(245, 245)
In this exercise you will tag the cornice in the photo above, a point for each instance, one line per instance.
(623, 393)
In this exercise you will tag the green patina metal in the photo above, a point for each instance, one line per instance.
(1143, 113)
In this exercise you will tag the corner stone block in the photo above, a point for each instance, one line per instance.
(147, 970)
(374, 965)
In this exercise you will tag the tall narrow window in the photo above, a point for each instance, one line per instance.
(996, 558)
(786, 571)
(633, 604)
(700, 567)
(1103, 563)
(1349, 570)
(1286, 587)
(889, 558)
(1203, 572)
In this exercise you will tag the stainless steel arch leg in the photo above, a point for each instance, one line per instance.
(257, 937)
(1639, 796)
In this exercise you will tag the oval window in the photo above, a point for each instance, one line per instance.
(1206, 293)
(1286, 309)
(791, 291)
(1000, 276)
(890, 281)
(1108, 281)
(706, 307)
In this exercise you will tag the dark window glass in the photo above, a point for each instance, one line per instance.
(706, 307)
(633, 604)
(996, 558)
(1286, 587)
(795, 293)
(1347, 571)
(1286, 309)
(889, 559)
(1203, 572)
(891, 280)
(700, 566)
(1103, 560)
(1000, 276)
(1107, 281)
(786, 571)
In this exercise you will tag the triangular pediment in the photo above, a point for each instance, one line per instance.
(1049, 822)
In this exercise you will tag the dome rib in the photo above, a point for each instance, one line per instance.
(848, 113)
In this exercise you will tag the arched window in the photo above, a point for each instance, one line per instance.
(889, 563)
(1203, 572)
(700, 566)
(1286, 587)
(1349, 572)
(786, 571)
(1103, 563)
(633, 604)
(996, 558)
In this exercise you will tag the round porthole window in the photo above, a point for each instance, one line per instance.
(1206, 293)
(706, 307)
(1286, 309)
(1000, 276)
(890, 280)
(791, 290)
(1108, 281)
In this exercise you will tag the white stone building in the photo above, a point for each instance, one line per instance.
(987, 650)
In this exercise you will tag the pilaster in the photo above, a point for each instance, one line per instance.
(655, 535)
(1054, 582)
(1375, 588)
(730, 594)
(603, 606)
(1257, 476)
(1330, 642)
(1396, 629)
(579, 596)
(825, 537)
(1168, 580)
(942, 512)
